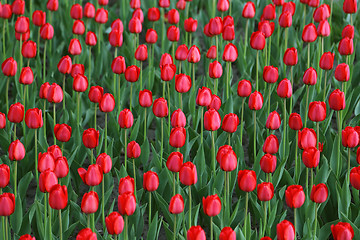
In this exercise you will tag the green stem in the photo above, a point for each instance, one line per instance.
(45, 211)
(92, 156)
(202, 126)
(149, 208)
(254, 116)
(297, 163)
(306, 106)
(44, 110)
(246, 37)
(162, 139)
(7, 95)
(88, 221)
(269, 96)
(257, 69)
(315, 221)
(60, 223)
(348, 169)
(175, 227)
(95, 110)
(285, 127)
(3, 39)
(125, 147)
(106, 132)
(89, 77)
(325, 86)
(193, 77)
(50, 224)
(78, 111)
(131, 90)
(126, 227)
(169, 115)
(134, 170)
(14, 136)
(118, 93)
(103, 201)
(211, 229)
(213, 152)
(292, 84)
(54, 122)
(246, 211)
(6, 228)
(295, 221)
(304, 15)
(217, 47)
(3, 225)
(174, 186)
(99, 36)
(145, 124)
(64, 90)
(308, 57)
(269, 52)
(15, 173)
(190, 206)
(141, 68)
(311, 178)
(228, 80)
(339, 128)
(44, 62)
(265, 218)
(36, 157)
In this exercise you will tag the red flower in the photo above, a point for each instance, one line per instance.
(58, 197)
(114, 223)
(90, 202)
(247, 180)
(265, 191)
(317, 111)
(211, 205)
(294, 196)
(176, 205)
(342, 230)
(151, 181)
(319, 193)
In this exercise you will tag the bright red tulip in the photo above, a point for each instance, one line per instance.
(177, 137)
(257, 40)
(58, 197)
(175, 161)
(145, 98)
(337, 100)
(101, 16)
(61, 169)
(160, 108)
(349, 6)
(285, 19)
(342, 72)
(230, 123)
(86, 234)
(273, 121)
(126, 119)
(188, 174)
(307, 138)
(126, 184)
(118, 65)
(28, 49)
(311, 157)
(90, 202)
(133, 150)
(350, 137)
(16, 113)
(33, 118)
(244, 88)
(105, 162)
(285, 230)
(271, 144)
(203, 97)
(290, 57)
(141, 53)
(269, 12)
(346, 46)
(265, 191)
(227, 234)
(294, 196)
(317, 111)
(107, 103)
(195, 233)
(65, 65)
(226, 158)
(127, 203)
(47, 180)
(95, 94)
(212, 120)
(114, 223)
(211, 205)
(319, 193)
(256, 101)
(80, 83)
(47, 31)
(246, 180)
(268, 163)
(62, 132)
(7, 204)
(355, 177)
(342, 230)
(132, 73)
(215, 70)
(249, 10)
(9, 67)
(39, 18)
(230, 53)
(4, 175)
(89, 10)
(90, 138)
(151, 181)
(295, 122)
(176, 205)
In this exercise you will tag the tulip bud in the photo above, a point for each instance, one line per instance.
(203, 97)
(317, 111)
(33, 118)
(181, 4)
(141, 53)
(215, 70)
(244, 88)
(65, 65)
(132, 73)
(3, 120)
(62, 132)
(228, 33)
(28, 49)
(27, 237)
(39, 18)
(295, 122)
(105, 162)
(101, 16)
(153, 14)
(135, 25)
(47, 31)
(195, 233)
(284, 89)
(227, 234)
(212, 120)
(80, 83)
(249, 10)
(194, 54)
(190, 25)
(175, 161)
(342, 230)
(346, 46)
(127, 203)
(16, 113)
(114, 223)
(230, 123)
(319, 193)
(188, 174)
(256, 101)
(273, 121)
(4, 175)
(323, 29)
(145, 98)
(307, 138)
(350, 7)
(16, 151)
(257, 40)
(269, 12)
(212, 52)
(285, 230)
(90, 138)
(271, 144)
(116, 38)
(47, 180)
(95, 94)
(133, 150)
(160, 108)
(168, 72)
(215, 103)
(268, 163)
(289, 7)
(55, 151)
(93, 176)
(230, 53)
(77, 69)
(86, 234)
(55, 93)
(182, 83)
(267, 28)
(126, 184)
(58, 197)
(247, 180)
(211, 205)
(178, 119)
(226, 158)
(348, 31)
(118, 65)
(350, 137)
(90, 202)
(107, 103)
(165, 59)
(7, 204)
(176, 205)
(18, 7)
(265, 191)
(355, 177)
(61, 169)
(223, 5)
(285, 19)
(89, 10)
(290, 57)
(337, 100)
(311, 157)
(75, 47)
(342, 72)
(294, 196)
(173, 16)
(126, 119)
(151, 181)
(9, 67)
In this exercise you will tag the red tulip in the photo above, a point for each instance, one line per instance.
(311, 157)
(284, 89)
(141, 53)
(307, 138)
(27, 237)
(181, 52)
(215, 26)
(230, 53)
(7, 204)
(290, 57)
(126, 184)
(226, 158)
(181, 4)
(178, 119)
(126, 119)
(39, 18)
(61, 169)
(188, 174)
(321, 13)
(319, 193)
(175, 161)
(160, 108)
(246, 180)
(227, 234)
(165, 59)
(342, 230)
(346, 46)
(273, 121)
(75, 47)
(249, 10)
(86, 234)
(95, 94)
(107, 103)
(135, 25)
(118, 65)
(317, 111)
(289, 7)
(133, 150)
(47, 180)
(269, 12)
(177, 137)
(295, 122)
(228, 33)
(90, 138)
(203, 97)
(76, 11)
(4, 175)
(91, 39)
(323, 29)
(309, 33)
(257, 40)
(194, 54)
(62, 132)
(349, 6)
(132, 73)
(58, 197)
(78, 27)
(265, 191)
(80, 83)
(114, 223)
(271, 144)
(145, 98)
(89, 10)
(212, 120)
(176, 205)
(127, 203)
(153, 14)
(190, 25)
(18, 7)
(256, 101)
(116, 38)
(3, 120)
(168, 72)
(33, 118)
(65, 65)
(139, 14)
(285, 19)
(294, 196)
(348, 31)
(46, 161)
(223, 5)
(16, 151)
(342, 72)
(151, 181)
(6, 12)
(268, 163)
(55, 93)
(16, 113)
(337, 100)
(105, 162)
(55, 151)
(28, 49)
(244, 88)
(267, 28)
(90, 202)
(310, 76)
(211, 205)
(285, 230)
(215, 70)
(230, 123)
(215, 103)
(350, 137)
(212, 52)
(77, 69)
(9, 67)
(355, 177)
(195, 233)
(47, 31)
(101, 16)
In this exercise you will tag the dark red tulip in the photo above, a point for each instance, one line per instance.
(114, 223)
(249, 10)
(285, 230)
(126, 119)
(90, 202)
(190, 25)
(65, 65)
(257, 40)
(101, 16)
(89, 10)
(212, 120)
(175, 161)
(355, 177)
(61, 169)
(307, 138)
(337, 100)
(215, 103)
(133, 150)
(3, 120)
(168, 72)
(348, 31)
(47, 31)
(290, 57)
(151, 181)
(90, 138)
(342, 230)
(127, 203)
(310, 76)
(55, 93)
(182, 83)
(93, 176)
(52, 5)
(18, 7)
(7, 204)
(16, 113)
(178, 119)
(256, 101)
(76, 11)
(4, 175)
(118, 65)
(319, 193)
(314, 3)
(309, 33)
(212, 52)
(6, 12)
(271, 144)
(211, 205)
(176, 205)
(77, 69)
(153, 14)
(273, 121)
(311, 157)
(47, 180)
(55, 150)
(227, 234)
(80, 83)
(116, 38)
(285, 19)
(246, 180)
(321, 13)
(107, 103)
(294, 196)
(342, 72)
(118, 25)
(323, 29)
(230, 53)
(215, 70)
(160, 108)
(295, 122)
(194, 54)
(141, 53)
(28, 49)
(269, 12)
(244, 88)
(346, 46)
(215, 26)
(135, 25)
(226, 158)
(33, 118)
(317, 111)
(39, 18)
(58, 197)
(265, 191)
(9, 67)
(268, 163)
(27, 237)
(75, 47)
(95, 94)
(349, 6)
(230, 123)
(62, 132)
(86, 234)
(350, 137)
(132, 73)
(188, 174)
(195, 233)
(126, 184)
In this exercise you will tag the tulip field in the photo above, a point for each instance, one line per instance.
(181, 119)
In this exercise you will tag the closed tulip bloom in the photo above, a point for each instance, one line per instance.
(105, 162)
(257, 40)
(177, 137)
(285, 19)
(47, 31)
(95, 94)
(230, 53)
(313, 3)
(55, 150)
(55, 93)
(126, 184)
(194, 54)
(5, 12)
(160, 108)
(52, 5)
(203, 97)
(139, 14)
(164, 3)
(90, 138)
(101, 16)
(355, 177)
(244, 88)
(350, 137)
(89, 10)
(107, 103)
(269, 12)
(337, 100)
(132, 73)
(165, 59)
(91, 39)
(151, 181)
(227, 234)
(39, 18)
(181, 52)
(226, 158)
(309, 33)
(116, 38)
(346, 46)
(118, 65)
(16, 113)
(76, 11)
(349, 6)
(18, 7)
(86, 234)
(127, 203)
(295, 122)
(342, 72)
(307, 138)
(181, 4)
(33, 118)
(317, 111)
(212, 120)
(223, 5)
(7, 204)
(271, 144)
(27, 237)
(77, 69)
(182, 83)
(228, 33)
(294, 196)
(176, 205)
(211, 205)
(58, 197)
(319, 193)
(246, 180)
(285, 230)
(135, 25)
(215, 26)
(23, 36)
(195, 233)
(145, 98)
(4, 175)
(265, 191)
(175, 161)
(273, 121)
(90, 202)
(61, 169)
(215, 103)
(168, 72)
(28, 49)
(153, 14)
(290, 57)
(47, 180)
(230, 123)
(141, 53)
(268, 163)
(151, 36)
(75, 47)
(16, 151)
(311, 157)
(278, 2)
(212, 52)
(256, 101)
(290, 7)
(228, 21)
(80, 83)
(93, 176)
(178, 119)
(173, 16)
(78, 27)
(62, 132)
(46, 161)
(266, 27)
(322, 13)
(126, 119)
(65, 65)
(348, 31)
(133, 150)
(310, 76)
(114, 223)
(249, 10)
(3, 120)
(188, 174)
(215, 70)
(190, 25)
(342, 230)
(323, 29)
(9, 67)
